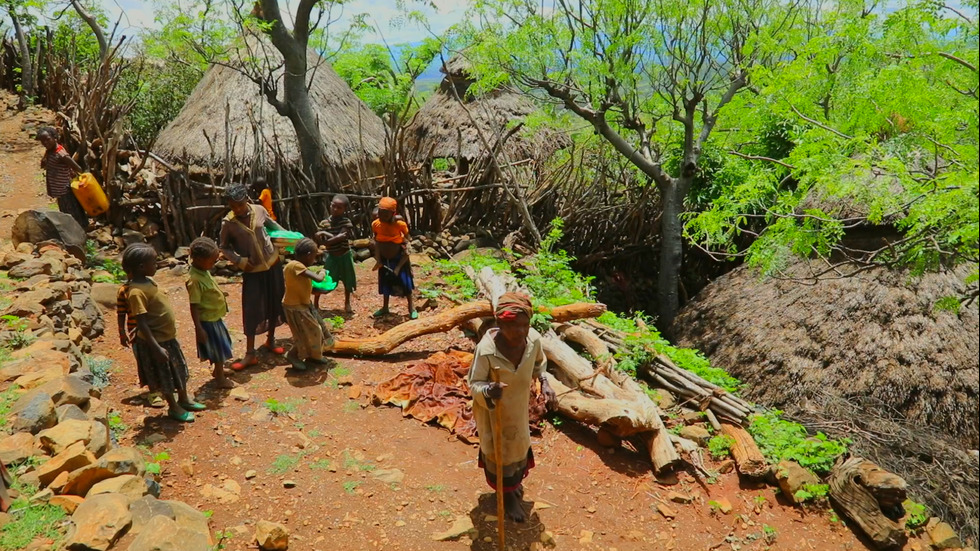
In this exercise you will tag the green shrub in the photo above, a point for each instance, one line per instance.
(916, 514)
(720, 446)
(779, 439)
(811, 492)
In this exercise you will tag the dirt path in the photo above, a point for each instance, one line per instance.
(343, 474)
(21, 180)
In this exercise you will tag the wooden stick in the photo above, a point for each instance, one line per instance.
(498, 459)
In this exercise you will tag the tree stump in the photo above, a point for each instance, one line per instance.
(871, 497)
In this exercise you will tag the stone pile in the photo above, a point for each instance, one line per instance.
(57, 433)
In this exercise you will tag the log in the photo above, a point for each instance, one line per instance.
(444, 321)
(619, 417)
(855, 487)
(748, 458)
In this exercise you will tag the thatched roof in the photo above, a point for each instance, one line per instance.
(443, 129)
(354, 136)
(864, 185)
(873, 336)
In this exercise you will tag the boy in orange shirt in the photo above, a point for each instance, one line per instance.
(263, 195)
(391, 257)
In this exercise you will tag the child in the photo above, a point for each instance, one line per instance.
(208, 307)
(391, 257)
(339, 260)
(159, 360)
(127, 332)
(310, 333)
(506, 362)
(59, 168)
(264, 195)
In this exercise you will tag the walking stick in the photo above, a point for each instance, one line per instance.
(498, 459)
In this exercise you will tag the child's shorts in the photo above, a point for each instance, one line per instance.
(341, 269)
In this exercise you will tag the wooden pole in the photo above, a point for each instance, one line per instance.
(498, 459)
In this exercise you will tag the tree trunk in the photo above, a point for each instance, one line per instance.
(871, 497)
(303, 117)
(94, 25)
(671, 251)
(26, 63)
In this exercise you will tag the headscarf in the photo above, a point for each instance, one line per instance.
(510, 305)
(236, 193)
(388, 203)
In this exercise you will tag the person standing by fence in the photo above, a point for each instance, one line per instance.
(59, 169)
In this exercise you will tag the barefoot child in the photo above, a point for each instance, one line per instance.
(208, 308)
(310, 333)
(339, 260)
(159, 360)
(506, 363)
(127, 332)
(391, 257)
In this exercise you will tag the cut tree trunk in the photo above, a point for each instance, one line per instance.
(868, 495)
(444, 321)
(748, 458)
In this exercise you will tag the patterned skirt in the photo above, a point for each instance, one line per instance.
(389, 283)
(514, 473)
(310, 333)
(217, 349)
(161, 377)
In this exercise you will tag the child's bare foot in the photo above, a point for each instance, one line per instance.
(224, 383)
(513, 508)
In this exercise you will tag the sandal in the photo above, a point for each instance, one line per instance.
(298, 365)
(273, 349)
(381, 312)
(185, 417)
(193, 406)
(238, 366)
(155, 400)
(414, 314)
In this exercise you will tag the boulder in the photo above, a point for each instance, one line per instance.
(39, 378)
(62, 435)
(68, 503)
(70, 411)
(145, 508)
(36, 267)
(115, 462)
(98, 522)
(71, 459)
(271, 536)
(129, 485)
(104, 295)
(163, 534)
(791, 478)
(17, 448)
(71, 389)
(943, 536)
(35, 226)
(33, 412)
(696, 433)
(190, 518)
(12, 258)
(87, 316)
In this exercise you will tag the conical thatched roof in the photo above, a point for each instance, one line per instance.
(354, 136)
(876, 335)
(443, 129)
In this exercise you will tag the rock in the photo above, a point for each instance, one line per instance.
(72, 389)
(462, 526)
(34, 267)
(87, 315)
(298, 439)
(187, 465)
(129, 485)
(188, 517)
(271, 536)
(12, 258)
(163, 534)
(679, 498)
(59, 482)
(666, 511)
(388, 476)
(664, 399)
(145, 508)
(722, 504)
(64, 434)
(17, 447)
(104, 295)
(33, 412)
(71, 459)
(239, 393)
(182, 253)
(726, 466)
(250, 474)
(288, 483)
(68, 503)
(38, 379)
(943, 536)
(692, 417)
(98, 522)
(696, 433)
(115, 462)
(70, 412)
(791, 478)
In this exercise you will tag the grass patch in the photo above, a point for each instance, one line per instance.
(116, 425)
(351, 485)
(435, 487)
(720, 446)
(282, 408)
(320, 464)
(29, 521)
(7, 399)
(351, 406)
(282, 464)
(351, 463)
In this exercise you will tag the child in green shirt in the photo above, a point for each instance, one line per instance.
(208, 308)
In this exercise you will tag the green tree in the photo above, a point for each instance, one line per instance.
(652, 78)
(868, 92)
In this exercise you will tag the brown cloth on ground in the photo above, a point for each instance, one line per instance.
(435, 389)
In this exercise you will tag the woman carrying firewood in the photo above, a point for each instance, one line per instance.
(506, 363)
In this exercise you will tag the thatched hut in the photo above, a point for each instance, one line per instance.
(455, 124)
(255, 133)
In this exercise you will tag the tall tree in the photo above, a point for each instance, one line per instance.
(651, 77)
(20, 17)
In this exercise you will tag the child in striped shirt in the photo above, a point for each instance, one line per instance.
(339, 260)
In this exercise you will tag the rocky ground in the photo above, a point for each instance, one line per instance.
(306, 454)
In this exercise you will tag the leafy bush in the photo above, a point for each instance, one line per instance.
(720, 446)
(549, 275)
(100, 367)
(811, 492)
(779, 439)
(916, 514)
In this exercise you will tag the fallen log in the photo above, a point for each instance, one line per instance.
(748, 458)
(857, 487)
(446, 320)
(620, 417)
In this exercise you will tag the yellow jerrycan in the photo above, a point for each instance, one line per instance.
(89, 193)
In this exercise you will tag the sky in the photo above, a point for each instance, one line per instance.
(139, 14)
